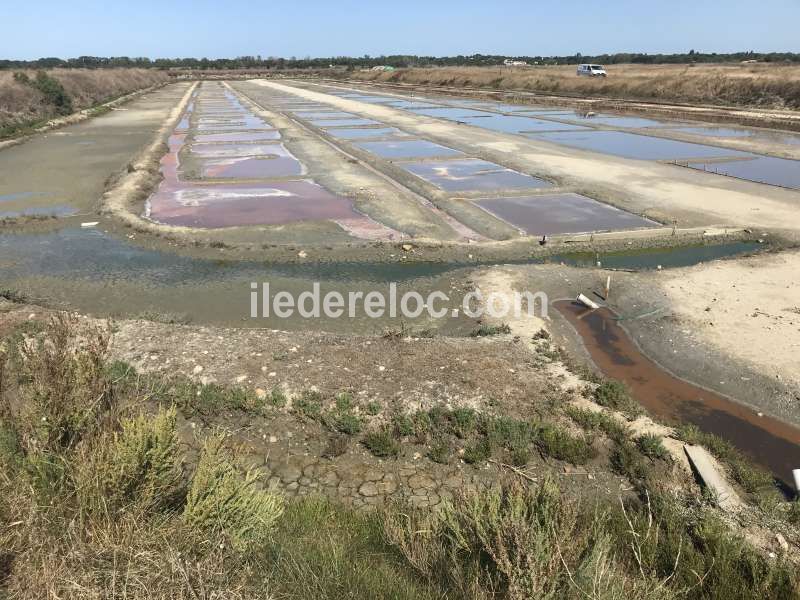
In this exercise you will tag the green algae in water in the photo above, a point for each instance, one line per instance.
(653, 258)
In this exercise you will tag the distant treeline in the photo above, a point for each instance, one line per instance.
(399, 61)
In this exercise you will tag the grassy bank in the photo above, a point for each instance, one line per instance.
(30, 98)
(758, 85)
(99, 499)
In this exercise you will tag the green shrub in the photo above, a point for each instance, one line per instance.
(309, 405)
(344, 401)
(591, 420)
(627, 460)
(651, 445)
(140, 465)
(463, 420)
(403, 425)
(489, 330)
(382, 444)
(374, 408)
(440, 452)
(615, 395)
(478, 452)
(277, 398)
(347, 423)
(53, 92)
(66, 392)
(794, 512)
(221, 502)
(557, 442)
(509, 433)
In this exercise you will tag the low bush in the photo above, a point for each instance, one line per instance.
(651, 445)
(382, 444)
(490, 330)
(222, 502)
(615, 395)
(558, 443)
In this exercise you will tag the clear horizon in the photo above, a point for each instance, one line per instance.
(205, 29)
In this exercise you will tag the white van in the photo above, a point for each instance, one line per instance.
(592, 70)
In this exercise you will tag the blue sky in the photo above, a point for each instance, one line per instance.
(201, 28)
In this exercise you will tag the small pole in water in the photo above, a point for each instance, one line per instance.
(796, 474)
(608, 287)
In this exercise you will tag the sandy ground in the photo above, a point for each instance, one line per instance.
(749, 308)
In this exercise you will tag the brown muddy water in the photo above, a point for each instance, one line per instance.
(771, 443)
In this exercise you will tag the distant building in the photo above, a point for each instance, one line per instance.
(514, 63)
(382, 68)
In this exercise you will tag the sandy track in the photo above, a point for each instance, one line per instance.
(748, 308)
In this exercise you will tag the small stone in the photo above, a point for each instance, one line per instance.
(241, 379)
(197, 369)
(368, 489)
(421, 481)
(782, 543)
(288, 473)
(273, 439)
(261, 393)
(302, 254)
(381, 368)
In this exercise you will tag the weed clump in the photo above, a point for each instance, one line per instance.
(221, 502)
(615, 395)
(486, 330)
(382, 444)
(652, 445)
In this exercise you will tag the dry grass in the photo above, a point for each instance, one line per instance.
(98, 499)
(21, 103)
(762, 85)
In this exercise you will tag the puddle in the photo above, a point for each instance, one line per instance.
(71, 166)
(205, 205)
(31, 211)
(451, 114)
(322, 116)
(516, 124)
(20, 196)
(256, 136)
(619, 121)
(220, 150)
(100, 274)
(344, 122)
(242, 204)
(771, 443)
(653, 258)
(631, 145)
(354, 134)
(762, 169)
(410, 104)
(250, 167)
(546, 111)
(407, 149)
(562, 213)
(715, 131)
(472, 174)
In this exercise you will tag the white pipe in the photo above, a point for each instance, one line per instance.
(587, 302)
(796, 473)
